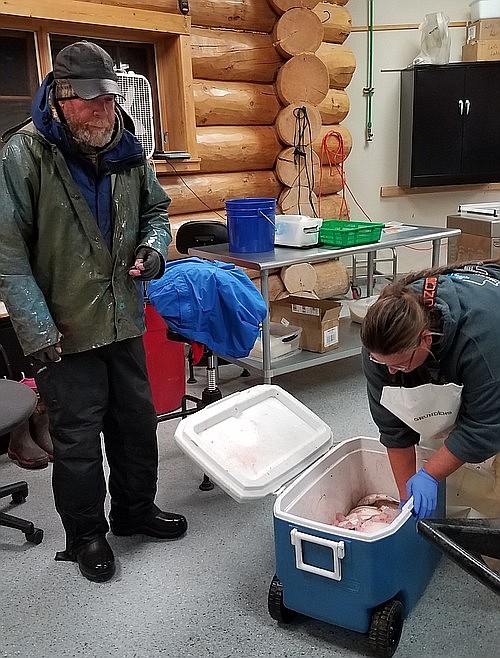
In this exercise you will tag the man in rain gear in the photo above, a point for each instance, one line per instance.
(83, 221)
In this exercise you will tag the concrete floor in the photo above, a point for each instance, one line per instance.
(206, 594)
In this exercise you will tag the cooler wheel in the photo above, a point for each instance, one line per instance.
(275, 603)
(385, 628)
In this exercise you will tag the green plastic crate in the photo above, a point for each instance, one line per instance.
(344, 233)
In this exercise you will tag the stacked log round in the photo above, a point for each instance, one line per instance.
(316, 72)
(321, 280)
(286, 123)
(336, 21)
(294, 169)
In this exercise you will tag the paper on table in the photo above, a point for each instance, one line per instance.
(397, 227)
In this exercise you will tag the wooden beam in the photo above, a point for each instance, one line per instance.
(394, 191)
(76, 11)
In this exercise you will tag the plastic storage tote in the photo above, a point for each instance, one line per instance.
(344, 233)
(297, 230)
(257, 441)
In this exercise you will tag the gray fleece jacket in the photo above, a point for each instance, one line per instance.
(467, 353)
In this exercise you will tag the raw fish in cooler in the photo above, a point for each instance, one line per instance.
(371, 513)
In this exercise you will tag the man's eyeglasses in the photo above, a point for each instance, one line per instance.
(395, 366)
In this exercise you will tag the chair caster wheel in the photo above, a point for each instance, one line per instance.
(34, 537)
(207, 484)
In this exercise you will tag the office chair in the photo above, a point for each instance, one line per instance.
(17, 403)
(198, 234)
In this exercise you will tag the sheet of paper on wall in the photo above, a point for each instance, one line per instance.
(397, 227)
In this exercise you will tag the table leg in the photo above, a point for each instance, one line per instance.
(370, 270)
(436, 249)
(266, 329)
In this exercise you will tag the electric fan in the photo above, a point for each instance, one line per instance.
(138, 104)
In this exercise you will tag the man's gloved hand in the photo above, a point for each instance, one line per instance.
(424, 489)
(48, 354)
(147, 264)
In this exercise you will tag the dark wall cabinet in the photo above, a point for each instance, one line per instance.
(450, 124)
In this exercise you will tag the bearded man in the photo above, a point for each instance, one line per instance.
(83, 222)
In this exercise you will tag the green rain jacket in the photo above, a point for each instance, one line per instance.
(58, 279)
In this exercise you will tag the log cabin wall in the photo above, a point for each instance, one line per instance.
(269, 82)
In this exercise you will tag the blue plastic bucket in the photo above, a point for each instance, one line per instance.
(251, 225)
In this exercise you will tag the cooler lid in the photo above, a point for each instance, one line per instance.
(253, 442)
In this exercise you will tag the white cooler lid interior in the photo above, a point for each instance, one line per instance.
(252, 442)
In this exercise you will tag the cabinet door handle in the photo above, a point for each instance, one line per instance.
(467, 107)
(461, 107)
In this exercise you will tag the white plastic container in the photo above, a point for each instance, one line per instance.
(359, 307)
(284, 341)
(480, 9)
(297, 230)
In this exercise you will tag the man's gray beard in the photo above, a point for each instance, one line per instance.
(95, 137)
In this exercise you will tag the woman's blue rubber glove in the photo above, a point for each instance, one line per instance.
(424, 489)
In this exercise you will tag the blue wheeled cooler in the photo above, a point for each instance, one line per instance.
(365, 582)
(257, 441)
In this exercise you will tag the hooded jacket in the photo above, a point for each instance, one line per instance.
(58, 278)
(466, 353)
(213, 303)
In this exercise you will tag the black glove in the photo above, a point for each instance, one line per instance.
(151, 260)
(48, 354)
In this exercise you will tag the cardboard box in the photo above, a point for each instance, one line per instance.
(481, 51)
(319, 319)
(488, 28)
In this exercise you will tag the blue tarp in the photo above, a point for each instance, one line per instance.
(210, 302)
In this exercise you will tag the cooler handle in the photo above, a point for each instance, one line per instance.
(337, 547)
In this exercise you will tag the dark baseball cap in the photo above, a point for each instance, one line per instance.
(88, 68)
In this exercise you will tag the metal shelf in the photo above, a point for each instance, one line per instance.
(283, 256)
(349, 345)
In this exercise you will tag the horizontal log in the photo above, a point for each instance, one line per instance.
(275, 286)
(336, 20)
(328, 181)
(333, 206)
(340, 62)
(281, 6)
(298, 278)
(255, 15)
(335, 107)
(298, 201)
(233, 55)
(225, 103)
(292, 169)
(224, 148)
(297, 119)
(199, 193)
(333, 144)
(302, 78)
(332, 279)
(298, 31)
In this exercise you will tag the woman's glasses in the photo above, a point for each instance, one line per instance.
(396, 366)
